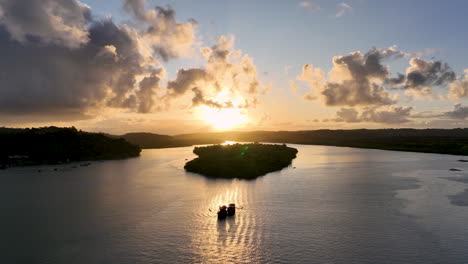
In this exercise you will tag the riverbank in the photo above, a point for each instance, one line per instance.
(52, 145)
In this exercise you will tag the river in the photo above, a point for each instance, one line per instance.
(333, 205)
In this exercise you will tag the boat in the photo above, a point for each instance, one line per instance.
(231, 209)
(222, 213)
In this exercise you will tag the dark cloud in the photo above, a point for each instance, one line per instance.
(363, 80)
(352, 93)
(388, 115)
(349, 115)
(69, 63)
(49, 21)
(459, 112)
(187, 80)
(395, 115)
(355, 79)
(148, 87)
(395, 81)
(423, 74)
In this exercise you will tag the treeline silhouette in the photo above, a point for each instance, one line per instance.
(243, 161)
(150, 140)
(53, 145)
(444, 141)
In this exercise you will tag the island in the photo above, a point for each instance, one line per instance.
(54, 145)
(242, 161)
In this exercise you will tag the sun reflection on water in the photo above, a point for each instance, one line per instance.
(231, 240)
(229, 143)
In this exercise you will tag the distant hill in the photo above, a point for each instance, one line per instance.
(52, 145)
(446, 141)
(149, 140)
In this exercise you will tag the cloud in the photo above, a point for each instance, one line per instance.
(56, 58)
(459, 88)
(343, 9)
(160, 31)
(349, 115)
(148, 87)
(427, 114)
(48, 21)
(228, 78)
(422, 74)
(426, 52)
(386, 115)
(314, 77)
(311, 6)
(187, 80)
(356, 79)
(459, 112)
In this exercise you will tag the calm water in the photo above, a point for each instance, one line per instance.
(340, 205)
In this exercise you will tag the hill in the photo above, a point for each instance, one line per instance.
(150, 140)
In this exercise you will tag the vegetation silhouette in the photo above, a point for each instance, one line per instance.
(150, 140)
(53, 145)
(443, 141)
(242, 161)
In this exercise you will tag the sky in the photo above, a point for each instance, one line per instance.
(181, 66)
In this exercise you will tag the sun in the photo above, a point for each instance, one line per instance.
(221, 119)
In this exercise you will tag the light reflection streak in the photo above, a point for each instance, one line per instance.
(231, 240)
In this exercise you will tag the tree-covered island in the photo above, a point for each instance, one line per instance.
(242, 161)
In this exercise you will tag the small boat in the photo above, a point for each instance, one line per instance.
(231, 209)
(222, 213)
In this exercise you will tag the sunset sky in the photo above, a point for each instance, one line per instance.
(175, 67)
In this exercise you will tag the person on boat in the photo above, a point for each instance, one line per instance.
(222, 213)
(231, 209)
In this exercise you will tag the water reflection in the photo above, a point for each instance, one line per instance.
(338, 206)
(228, 239)
(229, 142)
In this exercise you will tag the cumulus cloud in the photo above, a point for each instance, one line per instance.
(386, 115)
(343, 9)
(311, 6)
(56, 58)
(228, 78)
(159, 29)
(422, 74)
(459, 112)
(349, 115)
(48, 21)
(356, 79)
(459, 88)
